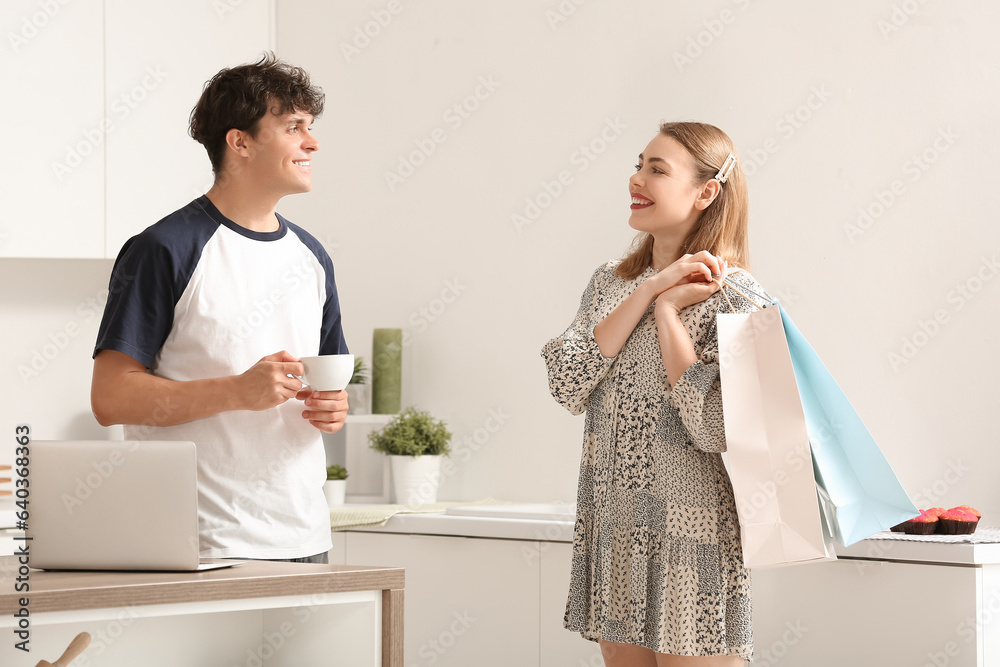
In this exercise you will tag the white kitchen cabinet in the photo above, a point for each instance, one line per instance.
(159, 56)
(52, 73)
(559, 646)
(100, 95)
(515, 590)
(885, 602)
(469, 601)
(876, 613)
(338, 552)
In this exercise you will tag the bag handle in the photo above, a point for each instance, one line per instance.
(724, 282)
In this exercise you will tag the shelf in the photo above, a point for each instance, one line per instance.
(369, 419)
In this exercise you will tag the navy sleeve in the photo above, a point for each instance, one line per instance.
(148, 278)
(140, 308)
(331, 339)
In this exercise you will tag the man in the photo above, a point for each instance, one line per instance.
(209, 312)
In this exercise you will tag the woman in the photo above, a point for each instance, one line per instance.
(658, 576)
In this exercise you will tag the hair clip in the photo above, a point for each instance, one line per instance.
(727, 167)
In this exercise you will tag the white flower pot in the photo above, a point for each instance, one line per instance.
(415, 479)
(334, 490)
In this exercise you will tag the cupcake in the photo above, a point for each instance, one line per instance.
(925, 524)
(958, 521)
(936, 511)
(973, 510)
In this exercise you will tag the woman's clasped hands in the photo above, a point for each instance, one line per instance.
(689, 280)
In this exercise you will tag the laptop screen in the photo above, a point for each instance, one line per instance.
(107, 505)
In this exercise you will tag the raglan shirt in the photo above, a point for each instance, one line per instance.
(197, 296)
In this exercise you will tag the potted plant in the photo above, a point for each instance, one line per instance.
(359, 392)
(336, 485)
(415, 443)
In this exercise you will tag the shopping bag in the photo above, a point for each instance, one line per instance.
(768, 457)
(858, 490)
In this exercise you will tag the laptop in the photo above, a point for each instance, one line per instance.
(107, 505)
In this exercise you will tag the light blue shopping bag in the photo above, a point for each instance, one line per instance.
(859, 493)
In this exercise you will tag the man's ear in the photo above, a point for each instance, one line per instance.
(238, 141)
(708, 193)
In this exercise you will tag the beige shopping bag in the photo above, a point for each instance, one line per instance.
(768, 457)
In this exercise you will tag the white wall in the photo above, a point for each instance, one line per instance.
(439, 255)
(828, 103)
(51, 311)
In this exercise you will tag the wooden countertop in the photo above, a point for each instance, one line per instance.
(74, 590)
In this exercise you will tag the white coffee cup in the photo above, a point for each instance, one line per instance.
(328, 372)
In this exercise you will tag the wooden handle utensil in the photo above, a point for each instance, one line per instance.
(75, 648)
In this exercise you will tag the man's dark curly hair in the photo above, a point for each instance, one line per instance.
(238, 97)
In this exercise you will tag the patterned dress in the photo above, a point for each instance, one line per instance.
(657, 560)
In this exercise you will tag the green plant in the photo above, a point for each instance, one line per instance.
(336, 472)
(360, 372)
(412, 433)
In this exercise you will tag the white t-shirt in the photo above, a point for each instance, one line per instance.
(197, 296)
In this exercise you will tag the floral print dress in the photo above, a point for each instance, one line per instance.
(657, 560)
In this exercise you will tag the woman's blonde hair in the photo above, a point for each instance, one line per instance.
(722, 227)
